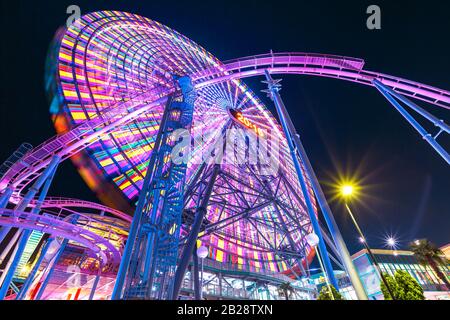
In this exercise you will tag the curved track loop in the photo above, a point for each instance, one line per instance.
(77, 139)
(60, 228)
(62, 203)
(80, 137)
(322, 65)
(339, 67)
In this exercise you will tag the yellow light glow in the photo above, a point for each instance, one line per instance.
(25, 269)
(347, 190)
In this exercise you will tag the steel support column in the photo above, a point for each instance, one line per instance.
(53, 261)
(5, 197)
(50, 269)
(23, 291)
(286, 231)
(331, 224)
(195, 274)
(328, 216)
(220, 283)
(32, 192)
(126, 258)
(193, 235)
(94, 285)
(386, 92)
(437, 122)
(46, 177)
(9, 271)
(154, 234)
(274, 88)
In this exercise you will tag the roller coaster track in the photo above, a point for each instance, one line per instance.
(60, 228)
(322, 65)
(58, 202)
(21, 173)
(343, 68)
(29, 167)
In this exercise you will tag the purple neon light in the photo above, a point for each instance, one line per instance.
(108, 59)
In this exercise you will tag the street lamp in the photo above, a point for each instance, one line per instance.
(347, 191)
(313, 240)
(202, 253)
(391, 242)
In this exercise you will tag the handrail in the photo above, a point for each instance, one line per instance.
(60, 228)
(343, 68)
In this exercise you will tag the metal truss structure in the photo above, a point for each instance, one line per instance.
(121, 87)
(150, 256)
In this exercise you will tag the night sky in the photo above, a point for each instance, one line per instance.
(346, 128)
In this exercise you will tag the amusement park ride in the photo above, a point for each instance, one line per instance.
(121, 86)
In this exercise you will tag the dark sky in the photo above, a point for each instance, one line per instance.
(345, 127)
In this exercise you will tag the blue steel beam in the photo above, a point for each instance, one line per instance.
(50, 269)
(193, 234)
(46, 177)
(53, 262)
(148, 267)
(94, 286)
(5, 197)
(126, 258)
(416, 125)
(437, 122)
(335, 233)
(274, 88)
(31, 276)
(195, 274)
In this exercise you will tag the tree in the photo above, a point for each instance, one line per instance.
(403, 287)
(392, 285)
(427, 253)
(286, 289)
(325, 293)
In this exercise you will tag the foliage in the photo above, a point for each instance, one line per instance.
(286, 290)
(427, 253)
(403, 287)
(325, 293)
(424, 250)
(392, 285)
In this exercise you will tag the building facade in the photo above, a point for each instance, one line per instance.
(392, 260)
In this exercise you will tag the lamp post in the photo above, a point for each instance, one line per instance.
(347, 191)
(313, 241)
(202, 253)
(391, 242)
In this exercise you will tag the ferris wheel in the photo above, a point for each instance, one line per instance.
(120, 85)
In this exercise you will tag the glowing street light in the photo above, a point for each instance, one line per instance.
(347, 191)
(391, 242)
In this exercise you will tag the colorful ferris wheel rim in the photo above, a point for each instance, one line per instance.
(107, 58)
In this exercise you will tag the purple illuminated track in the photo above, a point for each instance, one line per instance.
(321, 65)
(114, 77)
(292, 63)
